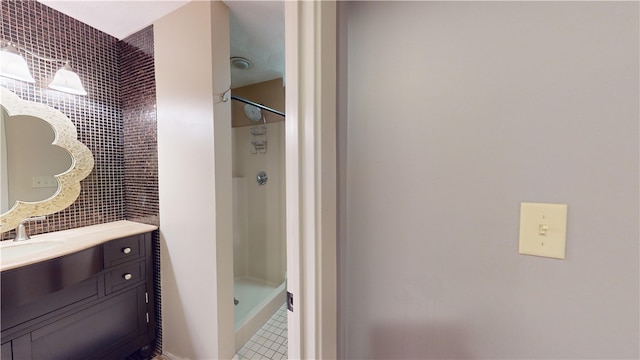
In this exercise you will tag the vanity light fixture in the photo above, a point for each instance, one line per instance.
(67, 80)
(14, 66)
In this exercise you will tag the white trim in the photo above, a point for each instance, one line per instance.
(292, 151)
(310, 33)
(341, 165)
(326, 173)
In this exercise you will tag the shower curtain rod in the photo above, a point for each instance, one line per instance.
(258, 105)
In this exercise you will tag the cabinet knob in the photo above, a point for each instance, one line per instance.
(126, 250)
(127, 276)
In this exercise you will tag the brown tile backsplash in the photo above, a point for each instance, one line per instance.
(116, 120)
(138, 100)
(138, 104)
(97, 116)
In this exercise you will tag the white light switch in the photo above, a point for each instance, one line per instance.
(543, 230)
(44, 182)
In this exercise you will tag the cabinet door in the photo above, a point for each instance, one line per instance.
(92, 333)
(5, 351)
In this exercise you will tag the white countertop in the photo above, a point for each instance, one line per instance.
(72, 240)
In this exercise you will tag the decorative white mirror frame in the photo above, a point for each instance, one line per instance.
(66, 137)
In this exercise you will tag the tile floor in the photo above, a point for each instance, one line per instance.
(270, 342)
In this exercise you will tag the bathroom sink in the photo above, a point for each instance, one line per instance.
(17, 250)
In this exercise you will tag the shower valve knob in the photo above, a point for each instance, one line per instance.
(262, 178)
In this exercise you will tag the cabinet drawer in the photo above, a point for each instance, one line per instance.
(32, 282)
(122, 250)
(123, 276)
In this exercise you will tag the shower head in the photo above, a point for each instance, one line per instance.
(253, 112)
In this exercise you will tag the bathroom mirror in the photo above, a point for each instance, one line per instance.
(41, 160)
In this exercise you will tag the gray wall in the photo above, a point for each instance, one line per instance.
(457, 112)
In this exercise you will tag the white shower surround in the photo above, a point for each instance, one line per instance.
(259, 240)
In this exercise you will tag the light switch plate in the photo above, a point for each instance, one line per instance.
(543, 230)
(44, 182)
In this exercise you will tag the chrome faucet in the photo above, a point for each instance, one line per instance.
(21, 233)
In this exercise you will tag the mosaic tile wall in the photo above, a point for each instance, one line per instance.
(97, 116)
(138, 94)
(138, 103)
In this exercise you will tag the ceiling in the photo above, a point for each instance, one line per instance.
(257, 28)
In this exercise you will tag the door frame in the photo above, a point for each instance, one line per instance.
(311, 182)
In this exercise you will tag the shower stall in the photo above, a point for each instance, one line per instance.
(259, 246)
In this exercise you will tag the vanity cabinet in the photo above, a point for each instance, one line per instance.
(92, 304)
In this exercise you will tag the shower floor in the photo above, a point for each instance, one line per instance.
(251, 293)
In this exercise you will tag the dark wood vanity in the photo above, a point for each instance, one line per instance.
(96, 303)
